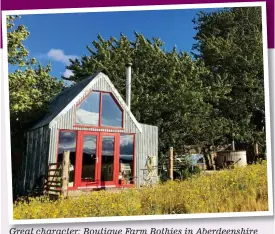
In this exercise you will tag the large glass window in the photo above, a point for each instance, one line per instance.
(126, 158)
(89, 158)
(111, 113)
(99, 109)
(87, 113)
(67, 142)
(107, 163)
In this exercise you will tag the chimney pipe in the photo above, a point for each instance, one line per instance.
(128, 84)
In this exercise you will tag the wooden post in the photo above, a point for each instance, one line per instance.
(233, 145)
(256, 148)
(171, 163)
(65, 173)
(214, 161)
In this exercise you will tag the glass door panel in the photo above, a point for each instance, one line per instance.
(89, 158)
(67, 141)
(98, 159)
(107, 158)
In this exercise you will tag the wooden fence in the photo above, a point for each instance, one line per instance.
(171, 166)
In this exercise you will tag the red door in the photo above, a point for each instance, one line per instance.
(87, 159)
(97, 159)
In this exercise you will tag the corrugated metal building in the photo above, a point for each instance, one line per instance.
(106, 143)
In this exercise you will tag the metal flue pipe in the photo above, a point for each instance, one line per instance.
(128, 84)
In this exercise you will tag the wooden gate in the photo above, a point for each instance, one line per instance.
(54, 181)
(58, 177)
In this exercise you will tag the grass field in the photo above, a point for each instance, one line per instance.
(237, 190)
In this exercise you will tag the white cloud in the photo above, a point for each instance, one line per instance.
(59, 56)
(67, 73)
(68, 83)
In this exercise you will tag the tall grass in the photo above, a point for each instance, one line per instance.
(237, 190)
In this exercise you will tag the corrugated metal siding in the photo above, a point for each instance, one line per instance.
(146, 145)
(53, 145)
(36, 156)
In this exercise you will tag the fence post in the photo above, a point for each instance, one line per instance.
(257, 149)
(65, 173)
(171, 163)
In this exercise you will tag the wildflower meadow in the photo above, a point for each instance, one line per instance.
(236, 190)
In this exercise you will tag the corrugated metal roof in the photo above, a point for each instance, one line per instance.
(60, 101)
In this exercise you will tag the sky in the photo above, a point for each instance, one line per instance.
(54, 38)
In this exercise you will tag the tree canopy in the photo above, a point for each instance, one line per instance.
(214, 96)
(209, 97)
(230, 44)
(167, 87)
(30, 84)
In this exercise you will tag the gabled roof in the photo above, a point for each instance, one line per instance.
(62, 102)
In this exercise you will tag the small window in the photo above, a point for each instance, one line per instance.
(89, 158)
(88, 111)
(111, 113)
(67, 142)
(126, 158)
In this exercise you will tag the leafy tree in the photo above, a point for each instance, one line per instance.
(30, 89)
(230, 44)
(30, 85)
(17, 53)
(210, 98)
(167, 89)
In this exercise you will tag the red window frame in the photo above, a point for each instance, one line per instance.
(134, 160)
(79, 158)
(116, 158)
(76, 151)
(100, 112)
(78, 185)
